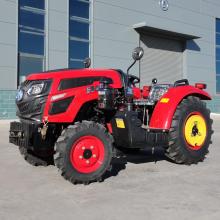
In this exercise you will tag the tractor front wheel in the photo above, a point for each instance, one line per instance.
(190, 133)
(34, 159)
(84, 152)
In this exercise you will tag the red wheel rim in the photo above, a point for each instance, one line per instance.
(87, 154)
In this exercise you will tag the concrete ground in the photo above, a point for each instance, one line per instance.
(149, 188)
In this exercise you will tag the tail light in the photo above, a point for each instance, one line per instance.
(145, 92)
(200, 85)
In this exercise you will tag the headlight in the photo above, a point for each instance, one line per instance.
(35, 89)
(158, 91)
(19, 95)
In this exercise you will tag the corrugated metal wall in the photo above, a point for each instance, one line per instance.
(163, 59)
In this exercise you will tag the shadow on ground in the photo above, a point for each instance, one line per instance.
(139, 157)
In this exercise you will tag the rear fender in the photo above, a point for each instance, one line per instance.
(163, 112)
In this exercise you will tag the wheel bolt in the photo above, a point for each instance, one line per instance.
(87, 161)
(80, 157)
(91, 147)
(83, 148)
(94, 155)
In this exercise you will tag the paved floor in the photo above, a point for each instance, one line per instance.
(144, 190)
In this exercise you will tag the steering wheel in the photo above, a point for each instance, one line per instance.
(133, 79)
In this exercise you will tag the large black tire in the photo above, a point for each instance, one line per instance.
(34, 159)
(67, 144)
(179, 149)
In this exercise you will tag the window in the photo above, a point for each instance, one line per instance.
(78, 32)
(218, 56)
(39, 4)
(31, 37)
(28, 62)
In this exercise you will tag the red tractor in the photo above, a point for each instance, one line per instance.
(77, 119)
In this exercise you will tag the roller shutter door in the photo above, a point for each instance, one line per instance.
(163, 59)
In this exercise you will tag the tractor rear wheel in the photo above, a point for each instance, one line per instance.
(190, 133)
(84, 152)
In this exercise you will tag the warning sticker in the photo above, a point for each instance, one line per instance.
(120, 123)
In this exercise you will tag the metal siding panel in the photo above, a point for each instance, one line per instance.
(152, 6)
(199, 46)
(57, 41)
(9, 80)
(6, 56)
(115, 63)
(57, 60)
(8, 45)
(58, 34)
(128, 13)
(211, 9)
(115, 32)
(199, 74)
(201, 60)
(8, 35)
(58, 5)
(116, 49)
(163, 60)
(8, 11)
(58, 21)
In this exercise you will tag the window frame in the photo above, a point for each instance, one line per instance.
(34, 34)
(70, 37)
(34, 7)
(30, 30)
(34, 11)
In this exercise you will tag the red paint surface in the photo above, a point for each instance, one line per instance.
(161, 117)
(136, 92)
(80, 94)
(163, 112)
(200, 85)
(146, 91)
(109, 126)
(92, 164)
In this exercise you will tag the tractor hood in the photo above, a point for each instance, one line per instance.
(61, 73)
(58, 75)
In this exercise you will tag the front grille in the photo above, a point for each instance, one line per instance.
(23, 107)
(34, 106)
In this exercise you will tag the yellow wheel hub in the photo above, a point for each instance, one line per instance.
(195, 131)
